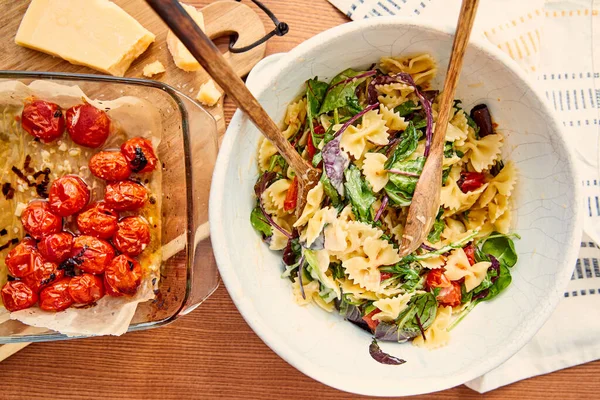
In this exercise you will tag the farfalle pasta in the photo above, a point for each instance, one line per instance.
(369, 133)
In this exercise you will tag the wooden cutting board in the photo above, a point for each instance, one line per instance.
(221, 18)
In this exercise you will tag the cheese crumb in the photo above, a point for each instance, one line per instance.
(209, 95)
(20, 208)
(152, 69)
(74, 152)
(62, 147)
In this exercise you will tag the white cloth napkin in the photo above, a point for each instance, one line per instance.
(553, 40)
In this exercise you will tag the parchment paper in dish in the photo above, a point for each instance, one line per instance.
(130, 117)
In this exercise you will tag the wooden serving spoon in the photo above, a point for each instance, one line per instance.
(426, 199)
(210, 58)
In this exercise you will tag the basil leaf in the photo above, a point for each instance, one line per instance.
(352, 106)
(260, 223)
(406, 108)
(407, 146)
(337, 95)
(360, 194)
(315, 93)
(436, 231)
(502, 247)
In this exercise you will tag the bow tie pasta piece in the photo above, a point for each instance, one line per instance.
(452, 230)
(314, 198)
(452, 198)
(475, 219)
(274, 196)
(394, 94)
(374, 170)
(295, 115)
(316, 224)
(477, 275)
(502, 224)
(372, 129)
(437, 334)
(458, 129)
(482, 153)
(502, 183)
(458, 267)
(365, 270)
(311, 292)
(433, 262)
(266, 150)
(392, 119)
(422, 67)
(497, 207)
(278, 239)
(392, 307)
(335, 237)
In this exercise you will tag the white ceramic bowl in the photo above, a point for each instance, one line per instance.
(546, 215)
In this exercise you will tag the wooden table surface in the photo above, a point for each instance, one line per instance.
(212, 353)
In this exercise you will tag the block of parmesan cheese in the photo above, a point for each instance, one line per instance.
(181, 56)
(94, 33)
(209, 94)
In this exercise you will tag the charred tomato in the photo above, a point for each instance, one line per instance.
(123, 276)
(43, 119)
(56, 247)
(91, 254)
(133, 235)
(16, 296)
(68, 195)
(140, 154)
(110, 166)
(86, 288)
(40, 220)
(87, 125)
(98, 220)
(125, 195)
(56, 296)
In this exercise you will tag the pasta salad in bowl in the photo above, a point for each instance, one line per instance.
(360, 103)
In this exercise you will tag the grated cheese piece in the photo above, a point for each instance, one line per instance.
(209, 94)
(153, 68)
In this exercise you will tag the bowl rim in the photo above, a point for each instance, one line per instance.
(247, 309)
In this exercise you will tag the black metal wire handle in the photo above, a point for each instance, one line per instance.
(281, 28)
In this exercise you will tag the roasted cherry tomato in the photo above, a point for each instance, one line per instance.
(292, 196)
(98, 220)
(86, 288)
(68, 195)
(40, 220)
(436, 279)
(91, 254)
(140, 154)
(43, 275)
(43, 119)
(56, 296)
(470, 252)
(122, 276)
(23, 259)
(133, 235)
(470, 181)
(386, 275)
(87, 125)
(311, 150)
(125, 195)
(370, 321)
(451, 295)
(56, 247)
(110, 166)
(16, 296)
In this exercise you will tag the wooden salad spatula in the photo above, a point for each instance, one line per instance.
(210, 58)
(426, 199)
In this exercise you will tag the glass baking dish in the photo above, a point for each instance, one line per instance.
(188, 152)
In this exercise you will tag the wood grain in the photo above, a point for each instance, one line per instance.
(426, 199)
(212, 353)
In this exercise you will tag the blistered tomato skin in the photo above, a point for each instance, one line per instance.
(123, 276)
(23, 259)
(56, 296)
(110, 166)
(16, 296)
(91, 254)
(133, 235)
(68, 195)
(43, 119)
(56, 247)
(87, 125)
(125, 196)
(140, 154)
(98, 221)
(43, 275)
(86, 288)
(40, 220)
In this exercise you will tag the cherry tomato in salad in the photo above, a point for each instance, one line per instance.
(91, 254)
(125, 195)
(43, 274)
(23, 258)
(56, 296)
(470, 252)
(68, 195)
(311, 150)
(123, 276)
(86, 288)
(133, 235)
(43, 119)
(436, 279)
(87, 125)
(56, 247)
(292, 196)
(370, 321)
(451, 295)
(470, 181)
(140, 154)
(110, 166)
(386, 275)
(16, 296)
(40, 220)
(98, 220)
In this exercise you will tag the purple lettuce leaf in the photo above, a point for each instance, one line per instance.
(382, 357)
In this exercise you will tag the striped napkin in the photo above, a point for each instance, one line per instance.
(553, 40)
